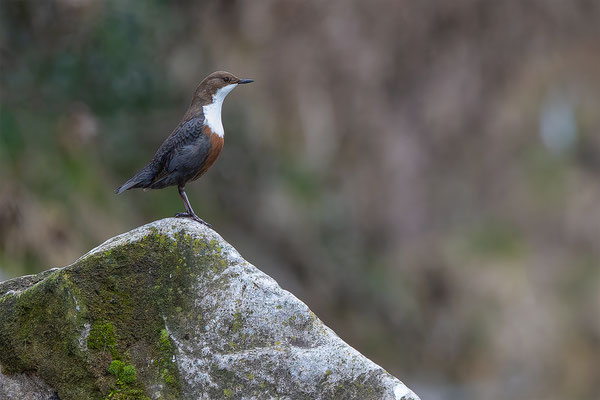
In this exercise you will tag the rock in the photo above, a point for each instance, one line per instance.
(25, 387)
(172, 311)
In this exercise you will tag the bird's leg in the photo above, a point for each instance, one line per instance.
(189, 213)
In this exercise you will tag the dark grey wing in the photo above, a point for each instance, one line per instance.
(185, 133)
(172, 157)
(181, 155)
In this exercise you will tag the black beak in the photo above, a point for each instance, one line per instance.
(242, 81)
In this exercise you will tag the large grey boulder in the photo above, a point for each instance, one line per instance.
(172, 311)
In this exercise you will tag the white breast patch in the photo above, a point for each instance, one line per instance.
(212, 112)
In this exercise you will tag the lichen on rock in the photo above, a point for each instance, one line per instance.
(171, 311)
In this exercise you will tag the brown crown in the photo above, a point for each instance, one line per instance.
(213, 82)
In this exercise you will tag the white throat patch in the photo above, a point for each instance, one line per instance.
(212, 112)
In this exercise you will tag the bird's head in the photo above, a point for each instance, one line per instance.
(217, 85)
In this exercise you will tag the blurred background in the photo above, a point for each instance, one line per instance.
(424, 175)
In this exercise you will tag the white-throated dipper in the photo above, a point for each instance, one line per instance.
(193, 146)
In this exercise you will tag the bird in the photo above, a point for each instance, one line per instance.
(193, 146)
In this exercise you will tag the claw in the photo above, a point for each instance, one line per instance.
(192, 216)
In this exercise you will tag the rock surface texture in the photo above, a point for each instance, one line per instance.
(172, 311)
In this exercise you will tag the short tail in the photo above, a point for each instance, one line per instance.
(141, 180)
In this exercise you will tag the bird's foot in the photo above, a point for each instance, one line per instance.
(192, 216)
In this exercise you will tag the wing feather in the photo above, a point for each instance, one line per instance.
(181, 154)
(185, 133)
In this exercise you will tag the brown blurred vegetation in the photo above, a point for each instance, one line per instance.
(424, 174)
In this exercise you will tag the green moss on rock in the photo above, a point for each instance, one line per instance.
(168, 368)
(169, 314)
(85, 328)
(102, 337)
(127, 387)
(125, 373)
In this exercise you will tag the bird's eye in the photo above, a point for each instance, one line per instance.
(226, 79)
